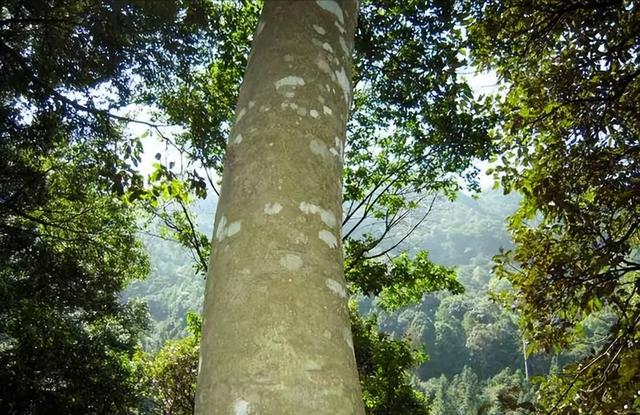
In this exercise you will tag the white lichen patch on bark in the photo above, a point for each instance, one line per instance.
(328, 238)
(233, 228)
(336, 287)
(323, 65)
(251, 104)
(272, 208)
(290, 80)
(344, 47)
(223, 230)
(260, 28)
(241, 407)
(345, 84)
(238, 139)
(348, 338)
(319, 148)
(333, 7)
(326, 46)
(241, 114)
(301, 111)
(312, 366)
(325, 215)
(314, 113)
(291, 262)
(319, 29)
(316, 42)
(337, 150)
(327, 110)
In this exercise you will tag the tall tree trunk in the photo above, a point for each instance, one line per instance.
(276, 336)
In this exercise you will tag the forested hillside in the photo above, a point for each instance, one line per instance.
(474, 345)
(469, 338)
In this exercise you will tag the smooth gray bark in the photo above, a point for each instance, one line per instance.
(276, 336)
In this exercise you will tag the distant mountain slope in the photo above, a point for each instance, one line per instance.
(465, 233)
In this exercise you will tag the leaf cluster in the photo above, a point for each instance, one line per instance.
(399, 282)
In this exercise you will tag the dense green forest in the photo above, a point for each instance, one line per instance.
(474, 348)
(235, 206)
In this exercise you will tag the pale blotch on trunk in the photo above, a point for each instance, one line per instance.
(272, 208)
(276, 338)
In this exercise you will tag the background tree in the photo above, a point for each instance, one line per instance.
(170, 374)
(384, 365)
(570, 144)
(67, 248)
(67, 238)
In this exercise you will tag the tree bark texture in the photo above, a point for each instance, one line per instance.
(276, 335)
